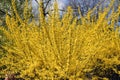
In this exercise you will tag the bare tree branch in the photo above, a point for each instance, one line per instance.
(47, 4)
(4, 13)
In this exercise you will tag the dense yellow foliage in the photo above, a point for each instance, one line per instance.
(60, 48)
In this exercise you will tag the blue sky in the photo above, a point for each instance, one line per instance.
(62, 4)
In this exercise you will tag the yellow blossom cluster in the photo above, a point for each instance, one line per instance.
(60, 49)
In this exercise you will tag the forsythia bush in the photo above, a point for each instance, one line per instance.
(60, 49)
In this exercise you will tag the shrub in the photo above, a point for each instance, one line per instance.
(61, 48)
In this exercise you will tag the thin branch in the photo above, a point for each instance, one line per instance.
(47, 4)
(3, 12)
(37, 1)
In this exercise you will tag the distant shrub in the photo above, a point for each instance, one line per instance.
(61, 48)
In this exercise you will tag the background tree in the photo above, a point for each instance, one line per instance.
(6, 8)
(85, 6)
